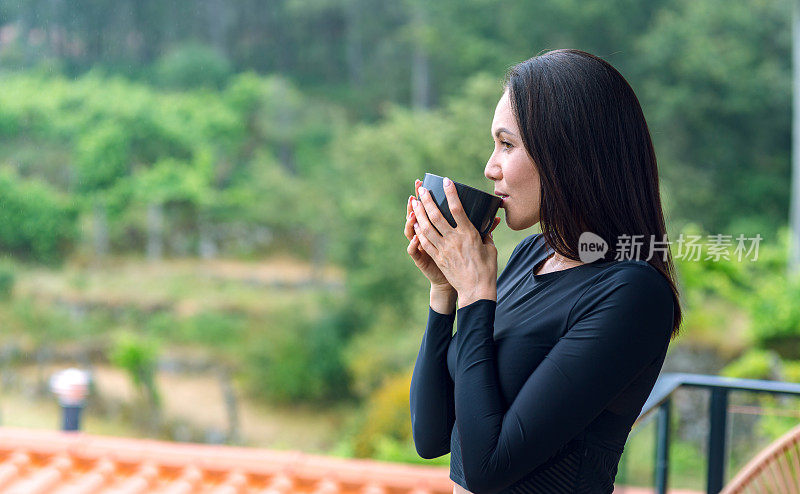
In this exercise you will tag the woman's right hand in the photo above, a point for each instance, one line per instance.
(421, 258)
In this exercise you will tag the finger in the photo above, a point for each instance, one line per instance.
(424, 225)
(427, 246)
(409, 230)
(417, 246)
(413, 247)
(454, 203)
(435, 216)
(496, 222)
(408, 206)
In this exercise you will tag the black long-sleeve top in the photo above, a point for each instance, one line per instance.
(538, 391)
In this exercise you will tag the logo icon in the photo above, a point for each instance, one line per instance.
(591, 247)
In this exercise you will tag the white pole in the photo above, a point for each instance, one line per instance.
(794, 241)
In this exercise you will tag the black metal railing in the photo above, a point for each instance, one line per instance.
(719, 386)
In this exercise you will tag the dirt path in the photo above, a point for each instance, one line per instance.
(198, 399)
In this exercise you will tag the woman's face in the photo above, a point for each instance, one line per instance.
(512, 169)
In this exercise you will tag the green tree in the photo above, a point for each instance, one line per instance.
(715, 87)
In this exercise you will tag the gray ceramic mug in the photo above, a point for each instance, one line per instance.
(480, 207)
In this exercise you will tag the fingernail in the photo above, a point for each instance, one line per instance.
(447, 182)
(416, 226)
(422, 191)
(414, 202)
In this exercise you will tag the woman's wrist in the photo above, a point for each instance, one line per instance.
(483, 293)
(443, 299)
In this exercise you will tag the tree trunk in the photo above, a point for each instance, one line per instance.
(206, 246)
(354, 41)
(420, 63)
(218, 24)
(286, 117)
(155, 231)
(100, 230)
(231, 405)
(319, 256)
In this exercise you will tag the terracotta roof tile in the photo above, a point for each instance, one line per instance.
(36, 461)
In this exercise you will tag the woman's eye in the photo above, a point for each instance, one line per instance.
(506, 144)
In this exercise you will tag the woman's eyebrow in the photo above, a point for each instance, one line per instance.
(503, 129)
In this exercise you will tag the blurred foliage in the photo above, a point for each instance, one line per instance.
(300, 359)
(754, 364)
(7, 278)
(381, 350)
(192, 65)
(223, 158)
(776, 316)
(730, 176)
(791, 371)
(307, 141)
(138, 357)
(387, 415)
(36, 222)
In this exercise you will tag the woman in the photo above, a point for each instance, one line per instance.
(552, 362)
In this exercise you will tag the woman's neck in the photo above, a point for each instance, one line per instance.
(557, 262)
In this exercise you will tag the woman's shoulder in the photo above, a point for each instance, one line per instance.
(526, 246)
(534, 241)
(630, 276)
(633, 283)
(633, 271)
(628, 294)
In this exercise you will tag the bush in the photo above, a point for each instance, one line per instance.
(193, 65)
(299, 360)
(776, 315)
(35, 221)
(384, 349)
(754, 364)
(7, 278)
(139, 358)
(791, 371)
(387, 416)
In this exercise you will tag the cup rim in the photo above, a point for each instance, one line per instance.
(463, 185)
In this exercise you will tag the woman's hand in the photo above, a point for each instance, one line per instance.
(418, 254)
(468, 262)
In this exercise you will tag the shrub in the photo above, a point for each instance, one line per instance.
(791, 371)
(753, 364)
(384, 349)
(776, 315)
(138, 357)
(7, 278)
(300, 359)
(36, 222)
(192, 65)
(387, 416)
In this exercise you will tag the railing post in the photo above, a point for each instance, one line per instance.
(718, 415)
(662, 447)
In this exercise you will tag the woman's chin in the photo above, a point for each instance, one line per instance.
(511, 225)
(517, 226)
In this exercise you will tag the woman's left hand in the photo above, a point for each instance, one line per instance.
(468, 262)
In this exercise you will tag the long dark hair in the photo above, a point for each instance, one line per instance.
(584, 129)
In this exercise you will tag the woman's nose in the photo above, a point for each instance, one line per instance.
(492, 170)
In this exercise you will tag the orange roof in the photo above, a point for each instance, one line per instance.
(37, 461)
